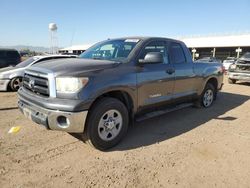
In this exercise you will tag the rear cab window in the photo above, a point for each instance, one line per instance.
(177, 54)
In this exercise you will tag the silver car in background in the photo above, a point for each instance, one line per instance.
(11, 77)
(229, 61)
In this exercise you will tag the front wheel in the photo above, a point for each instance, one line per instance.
(107, 123)
(15, 83)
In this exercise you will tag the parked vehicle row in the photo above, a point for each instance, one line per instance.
(115, 82)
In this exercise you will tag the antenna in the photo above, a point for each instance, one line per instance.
(53, 38)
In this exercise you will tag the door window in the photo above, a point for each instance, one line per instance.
(155, 46)
(12, 54)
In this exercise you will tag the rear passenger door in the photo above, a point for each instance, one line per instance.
(155, 82)
(184, 74)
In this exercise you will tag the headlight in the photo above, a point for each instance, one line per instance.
(70, 84)
(233, 66)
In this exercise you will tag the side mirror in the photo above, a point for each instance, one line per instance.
(152, 57)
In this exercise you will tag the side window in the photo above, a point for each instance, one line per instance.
(2, 53)
(12, 54)
(155, 46)
(176, 53)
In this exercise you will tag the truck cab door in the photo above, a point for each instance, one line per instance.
(184, 88)
(155, 82)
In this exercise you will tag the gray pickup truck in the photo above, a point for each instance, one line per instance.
(114, 83)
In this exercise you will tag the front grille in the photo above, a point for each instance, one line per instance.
(36, 84)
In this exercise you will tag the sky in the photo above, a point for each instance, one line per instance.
(25, 22)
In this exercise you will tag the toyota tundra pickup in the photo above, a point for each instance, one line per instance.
(114, 83)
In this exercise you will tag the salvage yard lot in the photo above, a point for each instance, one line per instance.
(186, 148)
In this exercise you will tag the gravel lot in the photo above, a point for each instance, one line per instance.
(186, 148)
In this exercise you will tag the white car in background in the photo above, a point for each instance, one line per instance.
(229, 61)
(11, 77)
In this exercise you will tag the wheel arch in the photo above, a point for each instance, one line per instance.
(214, 82)
(122, 96)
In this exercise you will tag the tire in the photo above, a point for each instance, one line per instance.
(231, 81)
(107, 123)
(15, 83)
(207, 97)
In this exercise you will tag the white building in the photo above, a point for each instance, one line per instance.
(220, 46)
(76, 49)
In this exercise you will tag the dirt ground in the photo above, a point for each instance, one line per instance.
(186, 148)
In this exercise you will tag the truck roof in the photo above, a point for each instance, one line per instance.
(147, 38)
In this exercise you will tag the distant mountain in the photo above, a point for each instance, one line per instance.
(31, 48)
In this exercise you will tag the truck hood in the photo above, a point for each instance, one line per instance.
(74, 67)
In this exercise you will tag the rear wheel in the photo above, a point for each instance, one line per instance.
(231, 81)
(15, 83)
(207, 97)
(107, 123)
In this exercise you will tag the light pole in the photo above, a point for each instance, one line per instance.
(238, 50)
(193, 51)
(214, 50)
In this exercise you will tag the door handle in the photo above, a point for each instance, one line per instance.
(170, 71)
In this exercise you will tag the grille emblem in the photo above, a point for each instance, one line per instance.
(32, 84)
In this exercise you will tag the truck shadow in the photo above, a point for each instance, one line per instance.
(173, 124)
(10, 108)
(244, 83)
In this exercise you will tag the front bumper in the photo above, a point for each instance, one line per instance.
(239, 76)
(4, 84)
(73, 122)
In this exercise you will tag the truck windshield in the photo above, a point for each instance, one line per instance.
(114, 50)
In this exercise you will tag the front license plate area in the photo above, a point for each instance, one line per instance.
(27, 112)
